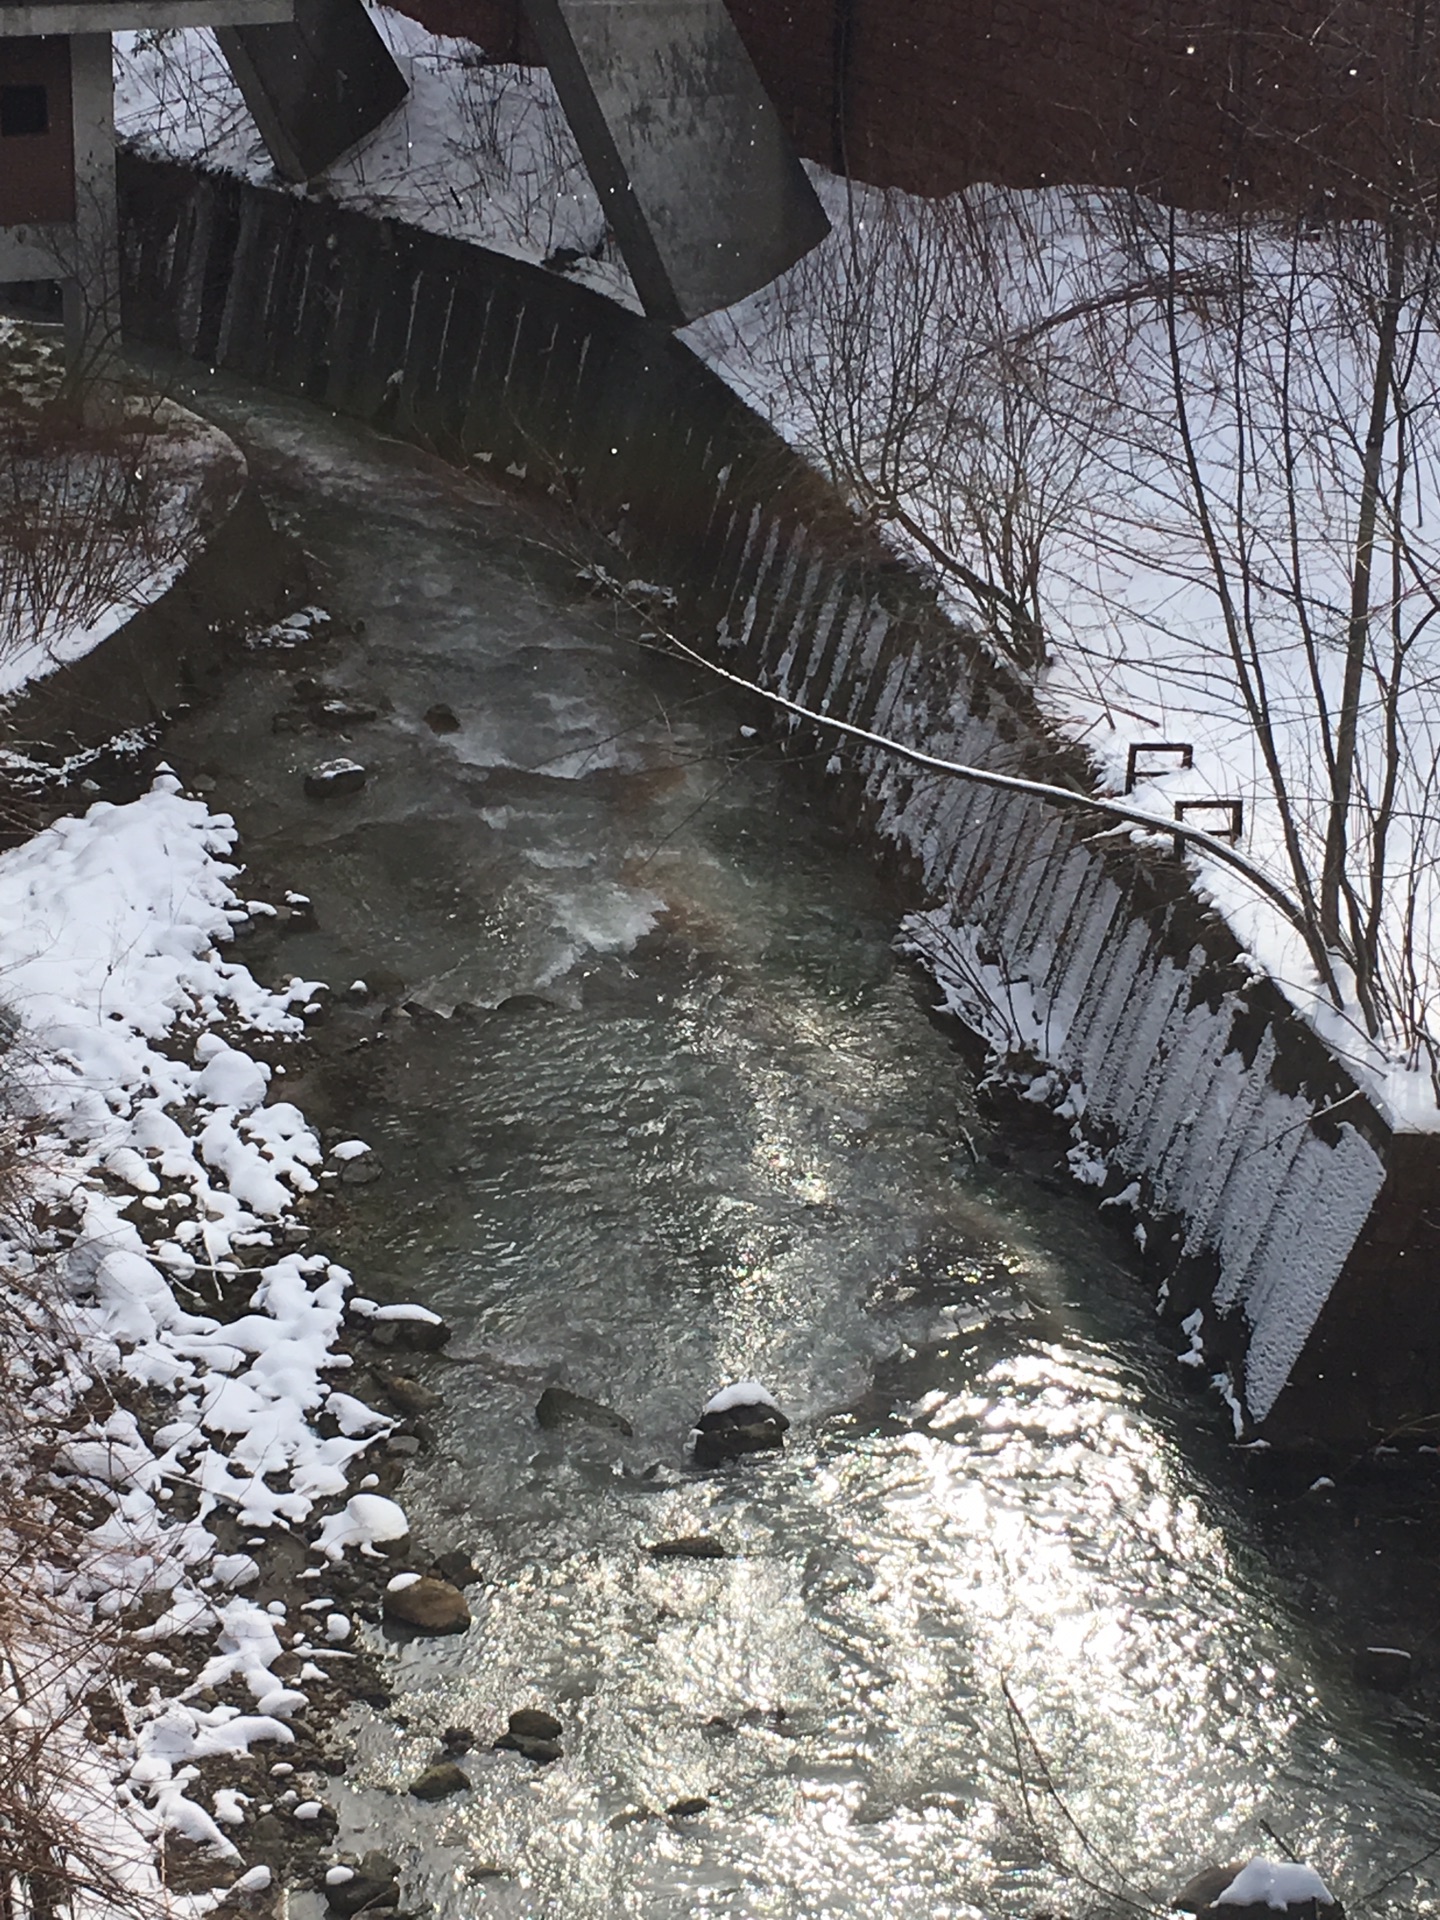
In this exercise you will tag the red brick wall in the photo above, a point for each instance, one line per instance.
(37, 170)
(1197, 99)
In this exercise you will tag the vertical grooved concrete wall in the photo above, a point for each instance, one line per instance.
(1301, 1236)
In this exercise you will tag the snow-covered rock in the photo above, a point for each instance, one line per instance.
(742, 1418)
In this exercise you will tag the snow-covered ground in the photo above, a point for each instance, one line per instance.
(96, 522)
(480, 151)
(170, 1346)
(997, 379)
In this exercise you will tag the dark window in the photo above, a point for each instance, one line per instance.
(23, 110)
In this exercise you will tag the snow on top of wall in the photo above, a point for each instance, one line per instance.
(1139, 646)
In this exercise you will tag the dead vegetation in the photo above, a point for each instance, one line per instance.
(95, 510)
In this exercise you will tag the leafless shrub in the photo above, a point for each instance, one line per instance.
(63, 1846)
(92, 507)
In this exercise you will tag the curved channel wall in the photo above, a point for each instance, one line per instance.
(1291, 1239)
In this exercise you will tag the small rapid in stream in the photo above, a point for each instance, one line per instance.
(996, 1634)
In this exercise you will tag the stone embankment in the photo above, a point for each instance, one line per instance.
(1285, 1223)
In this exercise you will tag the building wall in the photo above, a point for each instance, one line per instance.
(1198, 101)
(37, 170)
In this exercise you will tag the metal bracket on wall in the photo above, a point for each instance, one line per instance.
(1234, 811)
(1133, 769)
(696, 177)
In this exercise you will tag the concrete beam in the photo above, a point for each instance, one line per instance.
(316, 86)
(23, 18)
(697, 178)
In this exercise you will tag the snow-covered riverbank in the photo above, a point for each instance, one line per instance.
(173, 1359)
(99, 519)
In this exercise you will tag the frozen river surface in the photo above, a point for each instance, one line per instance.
(996, 1636)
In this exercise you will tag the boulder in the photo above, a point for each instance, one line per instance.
(403, 1393)
(692, 1546)
(456, 1567)
(533, 1723)
(428, 1605)
(558, 1407)
(533, 1734)
(437, 1782)
(442, 719)
(334, 777)
(374, 1883)
(743, 1418)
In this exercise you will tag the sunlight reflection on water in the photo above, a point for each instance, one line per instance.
(996, 1635)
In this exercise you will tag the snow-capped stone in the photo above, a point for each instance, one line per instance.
(230, 1078)
(333, 777)
(739, 1419)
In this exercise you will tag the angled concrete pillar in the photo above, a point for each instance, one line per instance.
(316, 85)
(697, 178)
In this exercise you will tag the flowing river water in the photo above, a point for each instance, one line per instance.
(997, 1633)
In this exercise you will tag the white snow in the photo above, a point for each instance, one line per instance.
(479, 150)
(1129, 608)
(744, 1393)
(1274, 1883)
(365, 1519)
(134, 1070)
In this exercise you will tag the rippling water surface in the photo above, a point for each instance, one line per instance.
(995, 1635)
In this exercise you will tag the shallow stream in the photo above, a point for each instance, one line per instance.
(997, 1634)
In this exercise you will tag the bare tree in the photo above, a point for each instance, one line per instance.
(1195, 454)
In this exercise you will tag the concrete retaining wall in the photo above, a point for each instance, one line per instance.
(1300, 1237)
